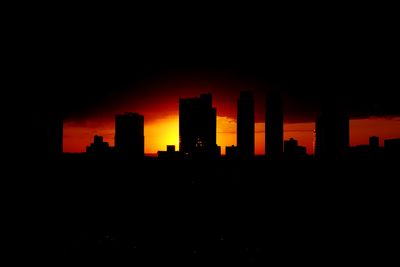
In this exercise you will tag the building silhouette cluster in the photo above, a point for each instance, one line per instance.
(292, 150)
(232, 152)
(198, 132)
(99, 149)
(169, 154)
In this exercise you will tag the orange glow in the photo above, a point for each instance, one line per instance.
(302, 132)
(259, 139)
(78, 136)
(160, 133)
(362, 129)
(165, 131)
(226, 132)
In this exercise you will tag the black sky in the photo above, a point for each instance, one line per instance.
(75, 64)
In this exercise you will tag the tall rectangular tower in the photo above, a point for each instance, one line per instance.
(245, 125)
(274, 126)
(197, 126)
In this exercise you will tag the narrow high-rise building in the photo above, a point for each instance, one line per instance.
(245, 125)
(129, 135)
(274, 126)
(198, 127)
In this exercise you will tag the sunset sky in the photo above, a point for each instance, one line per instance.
(158, 101)
(165, 131)
(91, 74)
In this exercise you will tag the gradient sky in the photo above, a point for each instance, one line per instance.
(158, 101)
(164, 131)
(90, 78)
(155, 94)
(91, 71)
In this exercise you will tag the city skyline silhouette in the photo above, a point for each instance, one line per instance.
(198, 130)
(289, 127)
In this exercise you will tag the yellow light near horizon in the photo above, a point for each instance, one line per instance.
(160, 133)
(226, 132)
(165, 131)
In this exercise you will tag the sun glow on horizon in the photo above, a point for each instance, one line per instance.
(165, 131)
(160, 133)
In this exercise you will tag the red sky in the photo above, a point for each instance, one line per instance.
(164, 130)
(157, 99)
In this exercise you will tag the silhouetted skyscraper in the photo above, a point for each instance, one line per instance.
(274, 126)
(332, 133)
(245, 125)
(197, 126)
(129, 135)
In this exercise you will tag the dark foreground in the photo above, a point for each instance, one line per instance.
(208, 212)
